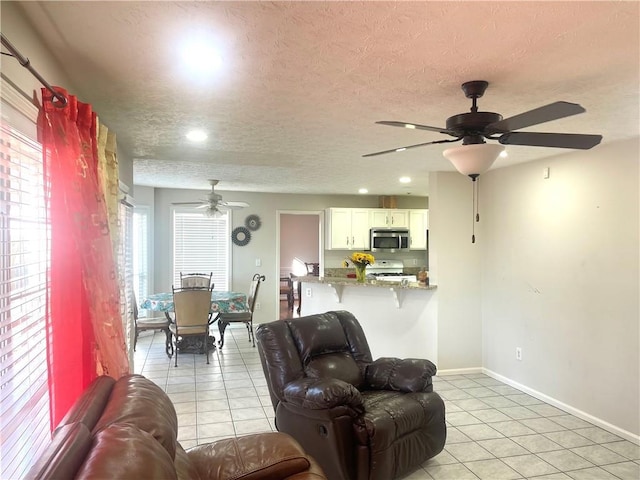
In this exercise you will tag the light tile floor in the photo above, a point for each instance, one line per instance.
(494, 431)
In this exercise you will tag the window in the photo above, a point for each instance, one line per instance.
(125, 269)
(141, 254)
(24, 256)
(201, 244)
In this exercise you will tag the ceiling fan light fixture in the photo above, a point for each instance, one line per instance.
(213, 212)
(475, 159)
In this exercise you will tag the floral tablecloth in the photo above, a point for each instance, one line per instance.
(221, 301)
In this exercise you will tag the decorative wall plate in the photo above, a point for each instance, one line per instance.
(252, 222)
(240, 236)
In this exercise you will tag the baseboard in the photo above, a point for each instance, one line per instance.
(563, 406)
(459, 371)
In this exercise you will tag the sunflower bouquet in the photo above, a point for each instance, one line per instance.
(360, 260)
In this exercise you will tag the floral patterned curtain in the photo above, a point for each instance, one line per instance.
(85, 337)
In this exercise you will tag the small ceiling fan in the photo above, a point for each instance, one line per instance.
(214, 204)
(474, 127)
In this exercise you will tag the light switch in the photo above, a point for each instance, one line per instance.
(258, 262)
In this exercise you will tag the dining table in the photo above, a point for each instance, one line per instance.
(222, 301)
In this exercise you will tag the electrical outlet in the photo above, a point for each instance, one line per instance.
(258, 306)
(518, 353)
(258, 262)
(545, 173)
(308, 292)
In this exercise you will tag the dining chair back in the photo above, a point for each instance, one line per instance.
(191, 307)
(286, 288)
(246, 316)
(313, 269)
(142, 324)
(196, 280)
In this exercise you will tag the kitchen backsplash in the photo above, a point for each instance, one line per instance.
(416, 259)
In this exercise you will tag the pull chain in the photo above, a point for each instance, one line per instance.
(477, 199)
(475, 217)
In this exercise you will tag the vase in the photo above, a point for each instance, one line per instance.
(361, 273)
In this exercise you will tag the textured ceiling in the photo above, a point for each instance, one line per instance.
(293, 106)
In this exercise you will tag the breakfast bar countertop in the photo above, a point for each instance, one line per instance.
(342, 281)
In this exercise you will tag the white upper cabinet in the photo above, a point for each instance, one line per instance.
(418, 226)
(348, 229)
(389, 218)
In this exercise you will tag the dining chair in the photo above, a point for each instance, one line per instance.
(245, 316)
(150, 323)
(191, 308)
(196, 280)
(313, 268)
(286, 288)
(296, 287)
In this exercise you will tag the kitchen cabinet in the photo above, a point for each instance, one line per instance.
(418, 226)
(348, 229)
(389, 218)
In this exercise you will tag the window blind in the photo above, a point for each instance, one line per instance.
(24, 256)
(141, 254)
(125, 269)
(201, 244)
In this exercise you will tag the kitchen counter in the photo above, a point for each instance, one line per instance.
(342, 281)
(398, 320)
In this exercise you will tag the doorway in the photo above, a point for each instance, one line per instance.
(299, 242)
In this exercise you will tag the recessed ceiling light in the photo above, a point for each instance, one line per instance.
(197, 135)
(503, 154)
(400, 149)
(363, 190)
(408, 125)
(405, 180)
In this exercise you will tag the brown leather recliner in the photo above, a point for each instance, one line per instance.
(359, 418)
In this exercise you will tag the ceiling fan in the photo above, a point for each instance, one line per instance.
(474, 127)
(214, 204)
(475, 156)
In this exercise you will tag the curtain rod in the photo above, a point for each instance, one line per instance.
(24, 61)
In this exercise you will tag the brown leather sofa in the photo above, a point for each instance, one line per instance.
(361, 419)
(127, 429)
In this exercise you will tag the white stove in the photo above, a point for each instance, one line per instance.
(389, 271)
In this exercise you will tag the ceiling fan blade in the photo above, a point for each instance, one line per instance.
(186, 203)
(233, 205)
(402, 149)
(558, 140)
(415, 126)
(553, 111)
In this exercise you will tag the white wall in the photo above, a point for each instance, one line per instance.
(560, 279)
(454, 266)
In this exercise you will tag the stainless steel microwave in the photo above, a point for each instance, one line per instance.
(389, 240)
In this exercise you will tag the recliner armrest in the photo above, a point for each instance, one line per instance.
(263, 455)
(403, 375)
(323, 393)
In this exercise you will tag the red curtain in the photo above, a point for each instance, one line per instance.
(85, 334)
